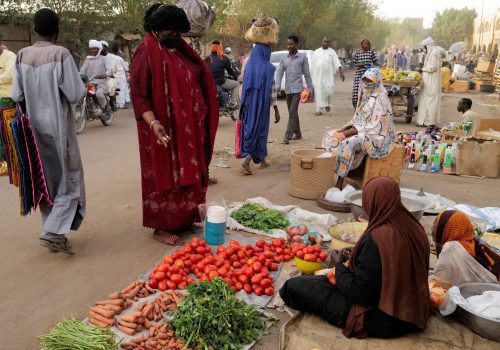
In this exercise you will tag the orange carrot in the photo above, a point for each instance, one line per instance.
(147, 309)
(125, 330)
(129, 318)
(131, 325)
(96, 316)
(115, 295)
(129, 287)
(98, 323)
(117, 302)
(115, 308)
(102, 311)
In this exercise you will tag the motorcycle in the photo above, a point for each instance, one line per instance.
(347, 63)
(88, 109)
(224, 97)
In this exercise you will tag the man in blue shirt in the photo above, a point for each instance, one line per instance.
(295, 65)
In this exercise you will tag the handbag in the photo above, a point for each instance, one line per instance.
(237, 139)
(264, 30)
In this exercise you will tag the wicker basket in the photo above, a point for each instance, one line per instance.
(311, 176)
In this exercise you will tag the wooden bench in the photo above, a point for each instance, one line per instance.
(370, 168)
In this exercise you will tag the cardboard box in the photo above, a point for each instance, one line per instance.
(489, 135)
(482, 123)
(476, 157)
(460, 86)
(485, 66)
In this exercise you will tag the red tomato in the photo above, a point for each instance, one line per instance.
(222, 272)
(179, 263)
(189, 280)
(257, 266)
(233, 257)
(182, 285)
(264, 273)
(153, 283)
(268, 254)
(219, 262)
(176, 278)
(317, 248)
(310, 257)
(213, 274)
(168, 260)
(249, 272)
(237, 264)
(210, 268)
(249, 262)
(248, 288)
(256, 279)
(266, 282)
(221, 249)
(176, 255)
(193, 244)
(309, 250)
(200, 250)
(300, 254)
(230, 251)
(162, 286)
(278, 258)
(260, 243)
(163, 268)
(188, 263)
(243, 279)
(171, 285)
(238, 286)
(279, 250)
(268, 263)
(159, 276)
(259, 291)
(228, 281)
(273, 267)
(276, 242)
(287, 257)
(323, 256)
(262, 259)
(173, 269)
(258, 250)
(269, 291)
(241, 255)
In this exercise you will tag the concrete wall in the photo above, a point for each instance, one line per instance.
(486, 37)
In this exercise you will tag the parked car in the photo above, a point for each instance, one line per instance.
(278, 55)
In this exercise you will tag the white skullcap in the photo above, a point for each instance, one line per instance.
(428, 41)
(228, 49)
(104, 43)
(95, 44)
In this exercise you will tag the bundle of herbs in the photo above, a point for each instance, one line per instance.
(74, 334)
(211, 317)
(259, 217)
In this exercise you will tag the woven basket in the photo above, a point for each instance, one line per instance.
(311, 176)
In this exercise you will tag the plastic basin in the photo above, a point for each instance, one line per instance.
(307, 266)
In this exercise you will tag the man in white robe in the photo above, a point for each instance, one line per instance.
(46, 80)
(429, 105)
(95, 66)
(117, 69)
(123, 96)
(325, 64)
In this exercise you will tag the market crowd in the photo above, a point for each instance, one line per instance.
(382, 290)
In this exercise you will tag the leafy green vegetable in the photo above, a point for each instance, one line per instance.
(258, 217)
(212, 317)
(74, 334)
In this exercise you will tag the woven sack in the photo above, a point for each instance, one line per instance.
(264, 30)
(200, 16)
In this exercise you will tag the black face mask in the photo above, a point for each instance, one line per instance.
(171, 41)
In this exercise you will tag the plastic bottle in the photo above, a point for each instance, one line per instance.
(448, 161)
(437, 161)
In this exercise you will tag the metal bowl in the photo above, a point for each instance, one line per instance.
(485, 327)
(415, 205)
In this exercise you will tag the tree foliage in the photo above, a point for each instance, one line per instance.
(453, 25)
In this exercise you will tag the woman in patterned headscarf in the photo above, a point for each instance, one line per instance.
(371, 130)
(363, 59)
(453, 235)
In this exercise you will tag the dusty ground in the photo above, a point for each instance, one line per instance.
(113, 248)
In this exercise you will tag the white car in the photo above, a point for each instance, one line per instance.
(278, 55)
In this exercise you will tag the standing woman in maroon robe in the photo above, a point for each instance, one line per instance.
(174, 100)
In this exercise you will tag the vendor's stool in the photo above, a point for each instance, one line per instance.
(370, 168)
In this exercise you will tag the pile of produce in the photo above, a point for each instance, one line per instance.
(387, 73)
(3, 168)
(73, 334)
(160, 337)
(211, 317)
(259, 217)
(407, 76)
(300, 234)
(243, 267)
(309, 253)
(104, 312)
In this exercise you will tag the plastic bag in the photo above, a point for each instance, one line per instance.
(305, 96)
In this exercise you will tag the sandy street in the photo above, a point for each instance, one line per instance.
(112, 248)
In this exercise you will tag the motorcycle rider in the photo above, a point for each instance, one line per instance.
(112, 63)
(94, 66)
(219, 66)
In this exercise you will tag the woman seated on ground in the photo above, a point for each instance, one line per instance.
(383, 291)
(370, 132)
(453, 235)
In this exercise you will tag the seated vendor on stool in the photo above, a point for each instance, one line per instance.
(383, 290)
(464, 106)
(458, 259)
(370, 132)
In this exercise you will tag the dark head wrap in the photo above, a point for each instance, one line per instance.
(46, 22)
(166, 17)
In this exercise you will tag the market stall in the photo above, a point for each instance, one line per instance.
(403, 91)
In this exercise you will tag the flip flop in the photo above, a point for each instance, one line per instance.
(212, 181)
(263, 166)
(245, 171)
(318, 114)
(55, 247)
(328, 109)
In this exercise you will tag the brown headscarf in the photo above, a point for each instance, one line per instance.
(404, 254)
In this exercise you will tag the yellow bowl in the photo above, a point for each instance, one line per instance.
(307, 266)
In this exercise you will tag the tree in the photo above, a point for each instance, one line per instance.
(453, 25)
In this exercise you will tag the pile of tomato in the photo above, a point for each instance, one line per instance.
(309, 253)
(243, 267)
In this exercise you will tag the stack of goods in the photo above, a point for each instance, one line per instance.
(264, 30)
(387, 73)
(406, 76)
(426, 153)
(23, 159)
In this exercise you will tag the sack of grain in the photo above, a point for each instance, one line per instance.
(264, 30)
(200, 16)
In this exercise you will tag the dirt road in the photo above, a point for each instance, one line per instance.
(113, 248)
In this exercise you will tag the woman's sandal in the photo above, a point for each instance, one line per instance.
(56, 247)
(167, 238)
(246, 171)
(212, 181)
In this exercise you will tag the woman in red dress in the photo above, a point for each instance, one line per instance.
(174, 100)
